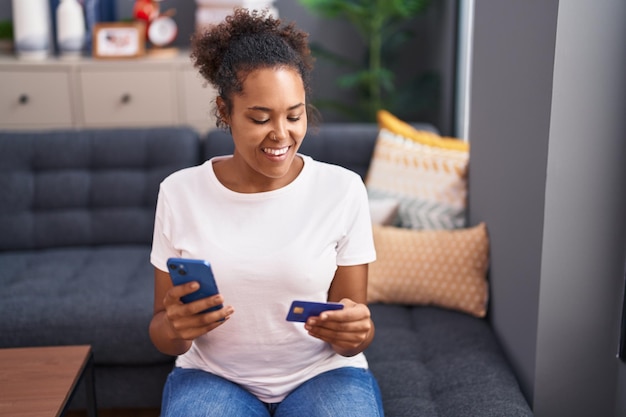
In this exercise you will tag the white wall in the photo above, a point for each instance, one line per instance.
(548, 175)
(509, 121)
(585, 214)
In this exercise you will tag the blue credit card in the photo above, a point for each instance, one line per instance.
(302, 310)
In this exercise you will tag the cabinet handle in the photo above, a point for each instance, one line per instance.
(126, 98)
(23, 99)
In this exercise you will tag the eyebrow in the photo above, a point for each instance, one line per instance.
(267, 109)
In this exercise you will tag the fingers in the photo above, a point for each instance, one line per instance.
(351, 313)
(334, 331)
(191, 327)
(175, 293)
(188, 321)
(347, 328)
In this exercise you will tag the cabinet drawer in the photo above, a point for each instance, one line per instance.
(128, 97)
(35, 98)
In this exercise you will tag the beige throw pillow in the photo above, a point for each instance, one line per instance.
(444, 268)
(424, 172)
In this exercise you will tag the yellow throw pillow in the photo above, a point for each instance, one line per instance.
(390, 122)
(426, 173)
(444, 268)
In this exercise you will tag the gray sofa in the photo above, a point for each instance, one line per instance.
(76, 216)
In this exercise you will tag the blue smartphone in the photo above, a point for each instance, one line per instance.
(186, 270)
(302, 310)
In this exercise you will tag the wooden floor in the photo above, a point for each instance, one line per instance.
(116, 413)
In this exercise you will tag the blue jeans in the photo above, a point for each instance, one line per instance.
(345, 392)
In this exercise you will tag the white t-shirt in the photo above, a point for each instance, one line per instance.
(266, 249)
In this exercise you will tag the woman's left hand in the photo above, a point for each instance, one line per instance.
(349, 331)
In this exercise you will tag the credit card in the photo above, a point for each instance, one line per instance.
(302, 310)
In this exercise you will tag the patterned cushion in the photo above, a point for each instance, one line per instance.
(445, 268)
(384, 210)
(425, 172)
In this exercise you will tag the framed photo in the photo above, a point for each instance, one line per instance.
(119, 40)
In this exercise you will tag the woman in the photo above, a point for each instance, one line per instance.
(276, 226)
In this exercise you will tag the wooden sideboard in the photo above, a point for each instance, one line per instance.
(147, 91)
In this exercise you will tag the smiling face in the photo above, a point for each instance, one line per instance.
(268, 122)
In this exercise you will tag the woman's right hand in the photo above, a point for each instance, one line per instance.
(187, 321)
(174, 324)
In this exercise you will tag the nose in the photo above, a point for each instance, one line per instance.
(280, 131)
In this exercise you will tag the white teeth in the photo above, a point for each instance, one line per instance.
(276, 152)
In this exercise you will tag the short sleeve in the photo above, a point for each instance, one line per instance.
(162, 248)
(357, 246)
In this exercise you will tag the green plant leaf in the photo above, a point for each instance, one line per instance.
(326, 8)
(386, 79)
(409, 8)
(393, 41)
(357, 79)
(6, 29)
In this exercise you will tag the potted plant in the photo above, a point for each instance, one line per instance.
(379, 23)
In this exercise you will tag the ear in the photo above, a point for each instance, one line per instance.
(222, 109)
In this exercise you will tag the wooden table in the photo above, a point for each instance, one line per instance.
(40, 381)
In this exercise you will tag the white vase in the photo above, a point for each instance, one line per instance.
(210, 12)
(32, 29)
(70, 28)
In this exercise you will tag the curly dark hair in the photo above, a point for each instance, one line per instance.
(246, 41)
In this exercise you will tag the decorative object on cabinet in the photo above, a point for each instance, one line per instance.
(32, 28)
(54, 4)
(119, 40)
(209, 12)
(146, 11)
(97, 11)
(70, 32)
(161, 29)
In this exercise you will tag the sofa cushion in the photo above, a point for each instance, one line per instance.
(440, 363)
(445, 268)
(89, 187)
(99, 296)
(426, 173)
(384, 211)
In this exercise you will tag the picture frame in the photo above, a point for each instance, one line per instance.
(119, 40)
